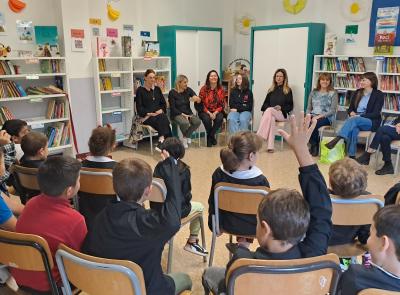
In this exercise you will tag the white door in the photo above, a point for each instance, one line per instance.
(209, 48)
(187, 57)
(265, 62)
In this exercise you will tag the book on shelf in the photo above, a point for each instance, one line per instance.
(391, 102)
(102, 46)
(57, 109)
(50, 66)
(137, 82)
(58, 134)
(7, 68)
(105, 83)
(161, 82)
(126, 44)
(5, 114)
(102, 65)
(151, 49)
(11, 89)
(391, 65)
(390, 83)
(50, 89)
(347, 81)
(351, 64)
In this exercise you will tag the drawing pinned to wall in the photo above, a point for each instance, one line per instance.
(95, 31)
(355, 10)
(25, 31)
(2, 24)
(385, 34)
(244, 24)
(330, 44)
(16, 5)
(112, 32)
(78, 40)
(294, 8)
(351, 33)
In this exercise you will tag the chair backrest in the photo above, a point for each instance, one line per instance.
(237, 198)
(355, 211)
(94, 275)
(158, 191)
(27, 177)
(377, 292)
(316, 275)
(96, 181)
(27, 252)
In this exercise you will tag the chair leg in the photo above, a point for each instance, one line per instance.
(213, 242)
(151, 143)
(230, 241)
(397, 161)
(203, 236)
(170, 252)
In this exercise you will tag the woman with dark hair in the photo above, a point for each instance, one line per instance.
(276, 106)
(240, 104)
(213, 101)
(364, 111)
(322, 104)
(151, 107)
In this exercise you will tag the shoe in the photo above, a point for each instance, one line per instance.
(314, 150)
(386, 169)
(195, 248)
(185, 142)
(158, 147)
(12, 284)
(189, 140)
(364, 158)
(330, 145)
(209, 144)
(271, 151)
(352, 157)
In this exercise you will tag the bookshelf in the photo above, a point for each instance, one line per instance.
(35, 89)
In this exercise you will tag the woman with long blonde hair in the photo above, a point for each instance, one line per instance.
(276, 106)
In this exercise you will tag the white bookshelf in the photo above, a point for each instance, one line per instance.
(38, 72)
(115, 106)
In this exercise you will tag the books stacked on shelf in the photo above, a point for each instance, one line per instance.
(58, 134)
(50, 66)
(137, 82)
(5, 114)
(391, 102)
(105, 83)
(102, 65)
(161, 82)
(347, 81)
(351, 64)
(390, 83)
(391, 65)
(11, 89)
(57, 109)
(126, 44)
(7, 68)
(51, 89)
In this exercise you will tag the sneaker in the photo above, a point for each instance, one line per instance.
(189, 140)
(158, 147)
(195, 248)
(12, 284)
(386, 169)
(185, 142)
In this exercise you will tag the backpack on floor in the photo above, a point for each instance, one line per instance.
(330, 156)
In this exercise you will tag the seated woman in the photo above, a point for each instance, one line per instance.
(181, 113)
(276, 106)
(241, 105)
(322, 104)
(151, 107)
(383, 137)
(211, 110)
(364, 111)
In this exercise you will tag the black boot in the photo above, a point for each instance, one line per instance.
(330, 145)
(386, 169)
(209, 142)
(364, 158)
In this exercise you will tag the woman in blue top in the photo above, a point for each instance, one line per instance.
(322, 104)
(364, 111)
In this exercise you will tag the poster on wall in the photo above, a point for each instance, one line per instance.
(330, 44)
(78, 40)
(2, 24)
(376, 4)
(127, 30)
(24, 31)
(112, 32)
(385, 33)
(47, 41)
(350, 32)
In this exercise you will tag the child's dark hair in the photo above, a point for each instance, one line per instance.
(33, 142)
(58, 173)
(174, 147)
(102, 141)
(239, 148)
(287, 214)
(14, 126)
(130, 178)
(387, 223)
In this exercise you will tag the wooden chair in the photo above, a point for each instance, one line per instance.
(377, 292)
(26, 182)
(158, 195)
(234, 198)
(27, 252)
(316, 275)
(100, 276)
(355, 211)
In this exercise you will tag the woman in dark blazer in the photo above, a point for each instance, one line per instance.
(364, 111)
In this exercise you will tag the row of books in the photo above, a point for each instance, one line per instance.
(391, 102)
(348, 81)
(11, 89)
(105, 83)
(50, 89)
(50, 66)
(391, 65)
(391, 83)
(58, 134)
(351, 64)
(57, 109)
(6, 68)
(102, 65)
(5, 114)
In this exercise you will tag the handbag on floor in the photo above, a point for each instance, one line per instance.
(136, 133)
(330, 156)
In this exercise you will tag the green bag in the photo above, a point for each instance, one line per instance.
(330, 156)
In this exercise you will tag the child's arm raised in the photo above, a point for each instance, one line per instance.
(313, 187)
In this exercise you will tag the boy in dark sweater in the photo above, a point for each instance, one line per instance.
(384, 246)
(285, 216)
(34, 146)
(126, 230)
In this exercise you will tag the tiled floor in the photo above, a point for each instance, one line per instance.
(281, 170)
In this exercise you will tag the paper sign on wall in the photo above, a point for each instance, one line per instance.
(127, 30)
(95, 31)
(112, 32)
(95, 21)
(350, 34)
(78, 33)
(77, 40)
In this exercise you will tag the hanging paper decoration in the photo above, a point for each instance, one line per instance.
(113, 14)
(355, 10)
(294, 8)
(16, 5)
(244, 24)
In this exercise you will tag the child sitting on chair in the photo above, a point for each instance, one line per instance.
(289, 225)
(348, 179)
(34, 146)
(176, 150)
